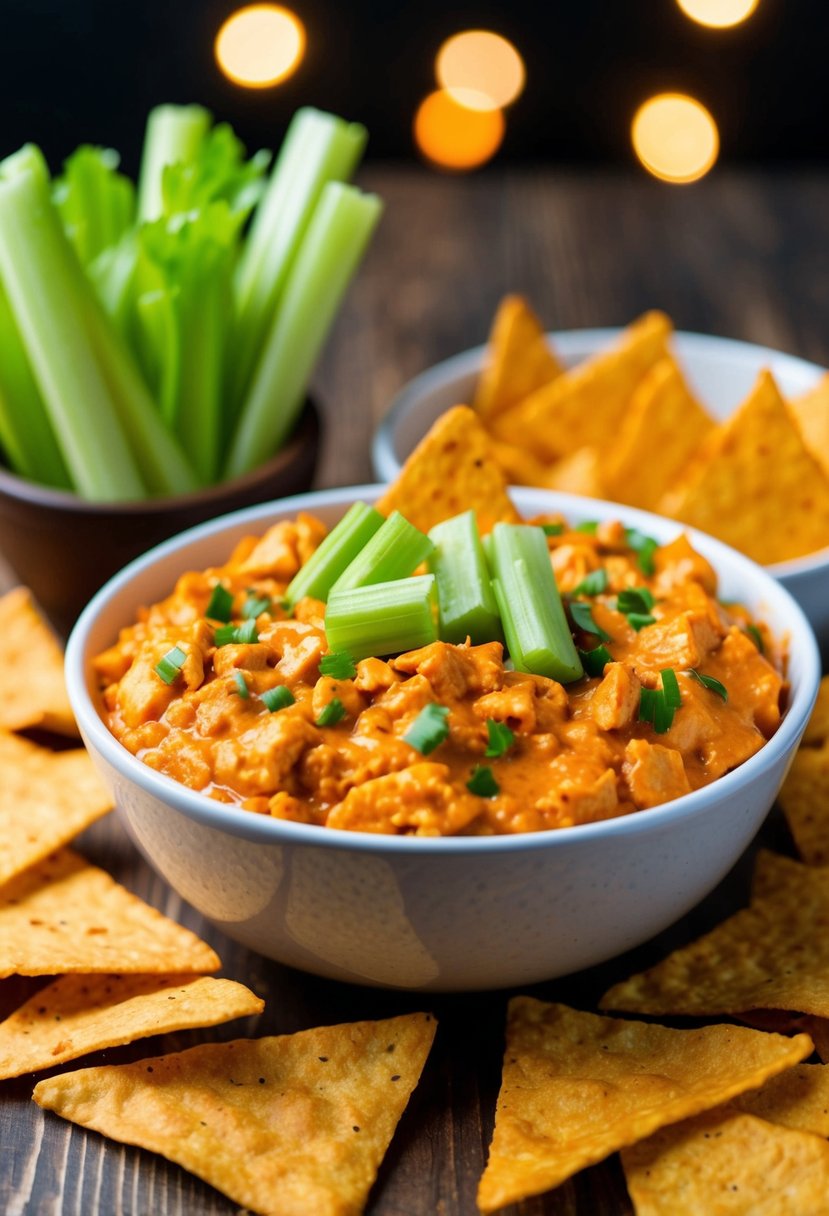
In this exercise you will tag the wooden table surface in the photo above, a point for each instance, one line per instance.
(743, 255)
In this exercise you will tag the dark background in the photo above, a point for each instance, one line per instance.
(91, 69)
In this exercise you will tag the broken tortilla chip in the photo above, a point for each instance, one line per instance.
(520, 467)
(578, 473)
(518, 359)
(797, 1098)
(663, 427)
(817, 728)
(755, 485)
(811, 412)
(576, 1087)
(82, 1013)
(32, 688)
(584, 406)
(64, 915)
(771, 955)
(286, 1126)
(730, 1164)
(451, 470)
(805, 802)
(46, 799)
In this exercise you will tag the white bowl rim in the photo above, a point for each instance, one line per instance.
(266, 830)
(465, 363)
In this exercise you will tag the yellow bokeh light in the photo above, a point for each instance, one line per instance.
(481, 70)
(675, 137)
(260, 45)
(719, 14)
(454, 136)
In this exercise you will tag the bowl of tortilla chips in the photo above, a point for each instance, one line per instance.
(392, 901)
(727, 436)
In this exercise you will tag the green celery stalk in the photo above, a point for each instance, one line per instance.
(25, 430)
(95, 202)
(173, 134)
(317, 148)
(156, 343)
(112, 273)
(393, 552)
(36, 264)
(338, 233)
(385, 618)
(466, 600)
(535, 626)
(337, 551)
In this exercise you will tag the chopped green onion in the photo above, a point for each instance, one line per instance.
(582, 614)
(594, 661)
(501, 738)
(589, 526)
(385, 618)
(241, 685)
(255, 605)
(466, 601)
(393, 552)
(644, 547)
(342, 544)
(670, 687)
(552, 529)
(593, 584)
(332, 713)
(535, 626)
(756, 637)
(236, 635)
(638, 620)
(338, 665)
(429, 728)
(482, 782)
(169, 667)
(635, 599)
(654, 708)
(277, 698)
(220, 607)
(709, 682)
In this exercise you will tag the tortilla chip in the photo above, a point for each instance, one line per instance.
(798, 1098)
(811, 412)
(584, 406)
(729, 1164)
(287, 1126)
(46, 799)
(817, 728)
(772, 955)
(577, 1087)
(662, 429)
(805, 802)
(579, 473)
(63, 915)
(451, 470)
(755, 485)
(82, 1013)
(32, 688)
(518, 359)
(519, 466)
(782, 1022)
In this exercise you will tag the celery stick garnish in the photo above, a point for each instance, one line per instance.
(466, 600)
(337, 551)
(385, 618)
(394, 551)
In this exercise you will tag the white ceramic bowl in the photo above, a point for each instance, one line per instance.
(720, 370)
(435, 914)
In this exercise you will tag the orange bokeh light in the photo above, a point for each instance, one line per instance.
(675, 137)
(260, 45)
(480, 69)
(718, 14)
(454, 136)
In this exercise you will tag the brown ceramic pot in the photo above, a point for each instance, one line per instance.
(65, 548)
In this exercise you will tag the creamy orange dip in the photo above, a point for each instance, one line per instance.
(580, 753)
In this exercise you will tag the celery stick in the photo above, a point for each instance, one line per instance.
(385, 618)
(173, 134)
(337, 551)
(112, 273)
(95, 202)
(532, 613)
(25, 431)
(317, 148)
(393, 552)
(42, 284)
(340, 228)
(465, 596)
(156, 343)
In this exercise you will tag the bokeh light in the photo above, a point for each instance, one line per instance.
(675, 137)
(454, 136)
(480, 69)
(719, 14)
(260, 45)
